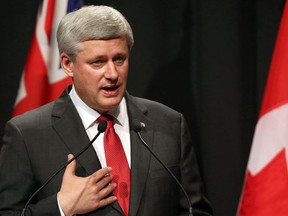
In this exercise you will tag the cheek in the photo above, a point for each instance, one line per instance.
(86, 75)
(124, 72)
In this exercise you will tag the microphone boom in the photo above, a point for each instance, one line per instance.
(137, 127)
(101, 128)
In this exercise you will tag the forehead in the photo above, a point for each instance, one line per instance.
(110, 45)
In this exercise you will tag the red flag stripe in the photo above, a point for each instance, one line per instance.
(276, 92)
(266, 193)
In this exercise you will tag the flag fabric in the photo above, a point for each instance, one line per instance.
(42, 79)
(265, 190)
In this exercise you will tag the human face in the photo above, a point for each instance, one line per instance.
(99, 72)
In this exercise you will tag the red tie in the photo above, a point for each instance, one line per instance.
(115, 158)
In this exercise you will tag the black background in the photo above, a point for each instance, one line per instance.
(206, 59)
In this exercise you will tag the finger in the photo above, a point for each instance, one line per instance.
(107, 201)
(104, 192)
(99, 174)
(104, 181)
(71, 167)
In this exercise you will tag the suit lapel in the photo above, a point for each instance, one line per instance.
(140, 156)
(69, 127)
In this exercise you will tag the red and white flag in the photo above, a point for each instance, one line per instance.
(265, 191)
(42, 79)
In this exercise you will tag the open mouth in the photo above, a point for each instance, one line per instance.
(110, 88)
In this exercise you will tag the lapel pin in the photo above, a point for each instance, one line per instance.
(142, 124)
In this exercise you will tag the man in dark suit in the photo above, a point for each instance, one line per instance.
(94, 44)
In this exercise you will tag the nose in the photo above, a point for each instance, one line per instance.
(111, 71)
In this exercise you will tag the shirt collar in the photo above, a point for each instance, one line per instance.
(89, 115)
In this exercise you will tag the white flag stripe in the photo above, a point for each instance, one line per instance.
(55, 73)
(41, 36)
(22, 90)
(274, 125)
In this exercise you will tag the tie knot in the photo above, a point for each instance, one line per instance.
(108, 118)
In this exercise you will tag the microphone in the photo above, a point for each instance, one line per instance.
(137, 127)
(101, 128)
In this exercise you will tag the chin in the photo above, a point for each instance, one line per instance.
(112, 103)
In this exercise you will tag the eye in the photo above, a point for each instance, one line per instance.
(97, 62)
(119, 59)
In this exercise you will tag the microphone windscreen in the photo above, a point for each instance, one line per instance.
(102, 126)
(136, 125)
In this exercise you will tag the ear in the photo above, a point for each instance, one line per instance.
(66, 64)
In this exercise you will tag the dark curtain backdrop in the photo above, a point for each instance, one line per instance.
(206, 59)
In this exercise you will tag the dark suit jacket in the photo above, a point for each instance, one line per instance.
(37, 143)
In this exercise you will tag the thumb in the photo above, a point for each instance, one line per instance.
(71, 167)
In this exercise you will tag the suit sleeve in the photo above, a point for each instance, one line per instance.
(190, 177)
(17, 181)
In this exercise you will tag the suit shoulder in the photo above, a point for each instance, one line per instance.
(154, 106)
(34, 116)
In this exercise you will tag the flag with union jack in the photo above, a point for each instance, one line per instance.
(42, 79)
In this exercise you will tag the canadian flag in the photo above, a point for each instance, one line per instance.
(265, 189)
(42, 79)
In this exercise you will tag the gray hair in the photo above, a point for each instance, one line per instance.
(91, 23)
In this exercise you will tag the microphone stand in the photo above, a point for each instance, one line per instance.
(168, 170)
(101, 128)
